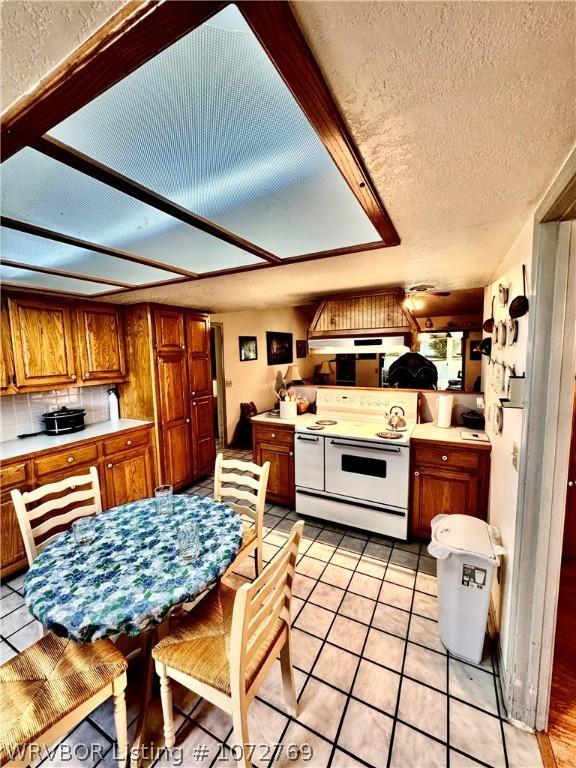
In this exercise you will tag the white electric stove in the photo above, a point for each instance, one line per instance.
(351, 466)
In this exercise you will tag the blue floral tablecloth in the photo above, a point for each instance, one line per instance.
(130, 575)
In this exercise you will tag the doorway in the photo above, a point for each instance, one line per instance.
(218, 384)
(559, 743)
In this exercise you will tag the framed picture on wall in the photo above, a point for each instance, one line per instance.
(301, 348)
(475, 353)
(279, 348)
(248, 347)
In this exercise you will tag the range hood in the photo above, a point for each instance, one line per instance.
(375, 322)
(358, 345)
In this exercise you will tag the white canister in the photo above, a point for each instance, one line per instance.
(444, 413)
(288, 409)
(113, 407)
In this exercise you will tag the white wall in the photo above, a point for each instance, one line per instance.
(253, 380)
(504, 476)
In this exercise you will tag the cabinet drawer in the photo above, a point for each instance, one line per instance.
(273, 435)
(124, 442)
(445, 456)
(75, 455)
(13, 474)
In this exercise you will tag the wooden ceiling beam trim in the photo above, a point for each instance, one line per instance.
(59, 237)
(275, 26)
(63, 273)
(136, 33)
(7, 285)
(61, 152)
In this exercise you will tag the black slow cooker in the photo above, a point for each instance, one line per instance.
(64, 421)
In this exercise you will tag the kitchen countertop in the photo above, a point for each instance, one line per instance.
(452, 435)
(11, 449)
(264, 418)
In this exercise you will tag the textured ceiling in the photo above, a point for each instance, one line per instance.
(463, 113)
(36, 36)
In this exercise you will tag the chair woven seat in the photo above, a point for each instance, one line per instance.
(199, 644)
(49, 680)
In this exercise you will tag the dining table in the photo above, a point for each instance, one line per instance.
(128, 579)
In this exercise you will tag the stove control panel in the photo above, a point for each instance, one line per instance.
(370, 402)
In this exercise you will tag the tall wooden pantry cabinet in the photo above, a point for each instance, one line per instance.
(168, 351)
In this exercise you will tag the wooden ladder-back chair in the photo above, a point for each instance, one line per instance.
(224, 648)
(50, 507)
(232, 481)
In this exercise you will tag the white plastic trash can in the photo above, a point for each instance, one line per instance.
(468, 552)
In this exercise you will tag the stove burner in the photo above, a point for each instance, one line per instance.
(389, 435)
(315, 426)
(326, 422)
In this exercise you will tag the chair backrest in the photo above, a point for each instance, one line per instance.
(49, 506)
(248, 487)
(261, 607)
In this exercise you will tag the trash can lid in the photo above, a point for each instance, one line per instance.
(466, 534)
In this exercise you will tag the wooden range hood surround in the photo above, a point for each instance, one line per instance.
(373, 314)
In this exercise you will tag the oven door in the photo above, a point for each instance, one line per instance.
(309, 461)
(368, 471)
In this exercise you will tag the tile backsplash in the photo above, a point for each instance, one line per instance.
(20, 414)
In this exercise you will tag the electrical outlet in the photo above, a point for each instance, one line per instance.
(515, 456)
(480, 403)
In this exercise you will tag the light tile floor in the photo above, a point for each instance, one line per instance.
(376, 687)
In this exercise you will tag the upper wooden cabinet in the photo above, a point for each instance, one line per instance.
(43, 342)
(100, 343)
(169, 328)
(7, 375)
(198, 347)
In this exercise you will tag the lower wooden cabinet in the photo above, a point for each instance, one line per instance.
(275, 443)
(125, 464)
(447, 479)
(203, 444)
(128, 477)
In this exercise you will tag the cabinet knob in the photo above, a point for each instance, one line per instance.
(444, 458)
(188, 420)
(570, 483)
(86, 374)
(128, 442)
(416, 474)
(291, 453)
(73, 376)
(70, 459)
(182, 346)
(193, 393)
(273, 434)
(109, 466)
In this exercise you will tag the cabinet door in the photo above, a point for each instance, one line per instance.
(128, 477)
(204, 447)
(198, 346)
(281, 477)
(169, 328)
(43, 343)
(439, 491)
(174, 402)
(13, 553)
(7, 376)
(100, 343)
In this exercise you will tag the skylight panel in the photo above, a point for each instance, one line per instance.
(41, 281)
(210, 124)
(46, 193)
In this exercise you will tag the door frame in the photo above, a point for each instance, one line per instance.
(550, 372)
(220, 381)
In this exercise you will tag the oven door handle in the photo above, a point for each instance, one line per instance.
(365, 447)
(308, 439)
